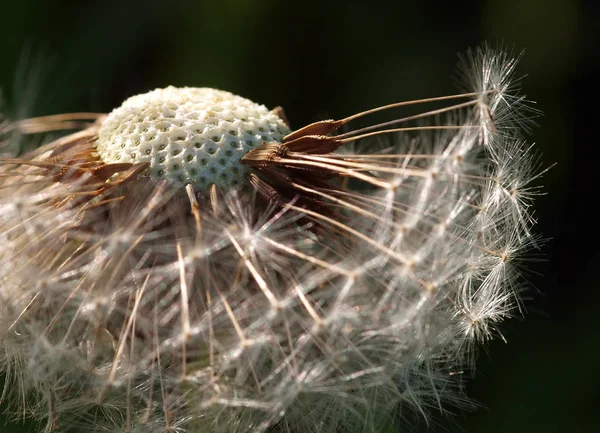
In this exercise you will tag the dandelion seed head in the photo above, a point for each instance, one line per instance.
(343, 280)
(188, 135)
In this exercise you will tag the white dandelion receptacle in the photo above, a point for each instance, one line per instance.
(188, 135)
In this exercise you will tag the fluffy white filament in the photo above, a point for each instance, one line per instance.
(320, 310)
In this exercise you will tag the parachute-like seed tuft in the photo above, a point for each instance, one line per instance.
(187, 263)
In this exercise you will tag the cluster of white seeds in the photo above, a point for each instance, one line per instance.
(130, 312)
(188, 135)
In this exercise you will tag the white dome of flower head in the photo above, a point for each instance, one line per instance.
(188, 135)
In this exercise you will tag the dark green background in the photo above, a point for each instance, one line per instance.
(332, 59)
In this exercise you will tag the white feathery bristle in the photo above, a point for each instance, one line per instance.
(188, 135)
(343, 278)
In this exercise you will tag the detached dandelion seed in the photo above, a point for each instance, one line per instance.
(190, 263)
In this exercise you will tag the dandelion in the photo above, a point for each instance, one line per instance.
(189, 263)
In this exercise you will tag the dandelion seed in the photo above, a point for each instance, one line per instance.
(190, 263)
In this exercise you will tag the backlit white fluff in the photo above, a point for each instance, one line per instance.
(334, 285)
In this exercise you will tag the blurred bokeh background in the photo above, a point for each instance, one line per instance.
(333, 58)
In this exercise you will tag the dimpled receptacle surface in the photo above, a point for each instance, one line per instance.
(188, 135)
